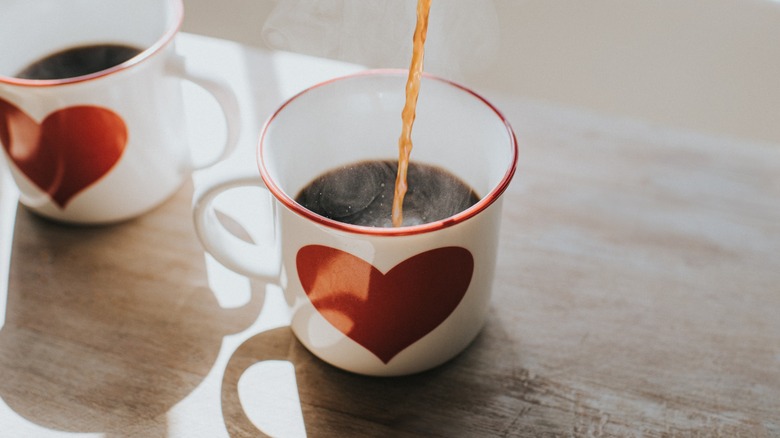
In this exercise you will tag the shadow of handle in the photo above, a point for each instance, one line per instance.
(274, 344)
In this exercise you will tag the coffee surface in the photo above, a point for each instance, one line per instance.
(362, 194)
(78, 61)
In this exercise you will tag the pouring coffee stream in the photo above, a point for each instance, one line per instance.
(409, 111)
(359, 193)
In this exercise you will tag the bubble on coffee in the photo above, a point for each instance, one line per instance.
(362, 194)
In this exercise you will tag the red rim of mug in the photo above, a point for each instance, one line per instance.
(147, 53)
(472, 211)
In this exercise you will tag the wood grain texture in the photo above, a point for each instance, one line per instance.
(637, 294)
(641, 264)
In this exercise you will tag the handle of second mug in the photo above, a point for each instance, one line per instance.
(225, 97)
(261, 261)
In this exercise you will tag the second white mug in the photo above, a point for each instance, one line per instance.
(104, 146)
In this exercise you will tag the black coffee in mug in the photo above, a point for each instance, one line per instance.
(362, 194)
(78, 61)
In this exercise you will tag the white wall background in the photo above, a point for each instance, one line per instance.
(706, 65)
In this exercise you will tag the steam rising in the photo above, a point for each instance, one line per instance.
(463, 35)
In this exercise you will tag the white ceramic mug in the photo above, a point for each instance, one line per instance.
(375, 301)
(105, 146)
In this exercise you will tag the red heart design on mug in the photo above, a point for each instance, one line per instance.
(66, 153)
(385, 313)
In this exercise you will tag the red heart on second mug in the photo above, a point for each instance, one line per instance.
(385, 313)
(68, 151)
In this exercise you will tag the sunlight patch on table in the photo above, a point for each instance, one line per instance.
(9, 195)
(269, 395)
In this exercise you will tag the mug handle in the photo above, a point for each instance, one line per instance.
(257, 260)
(224, 96)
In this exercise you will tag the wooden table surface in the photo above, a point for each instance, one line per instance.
(637, 294)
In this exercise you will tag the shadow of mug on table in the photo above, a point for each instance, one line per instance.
(446, 401)
(108, 328)
(91, 137)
